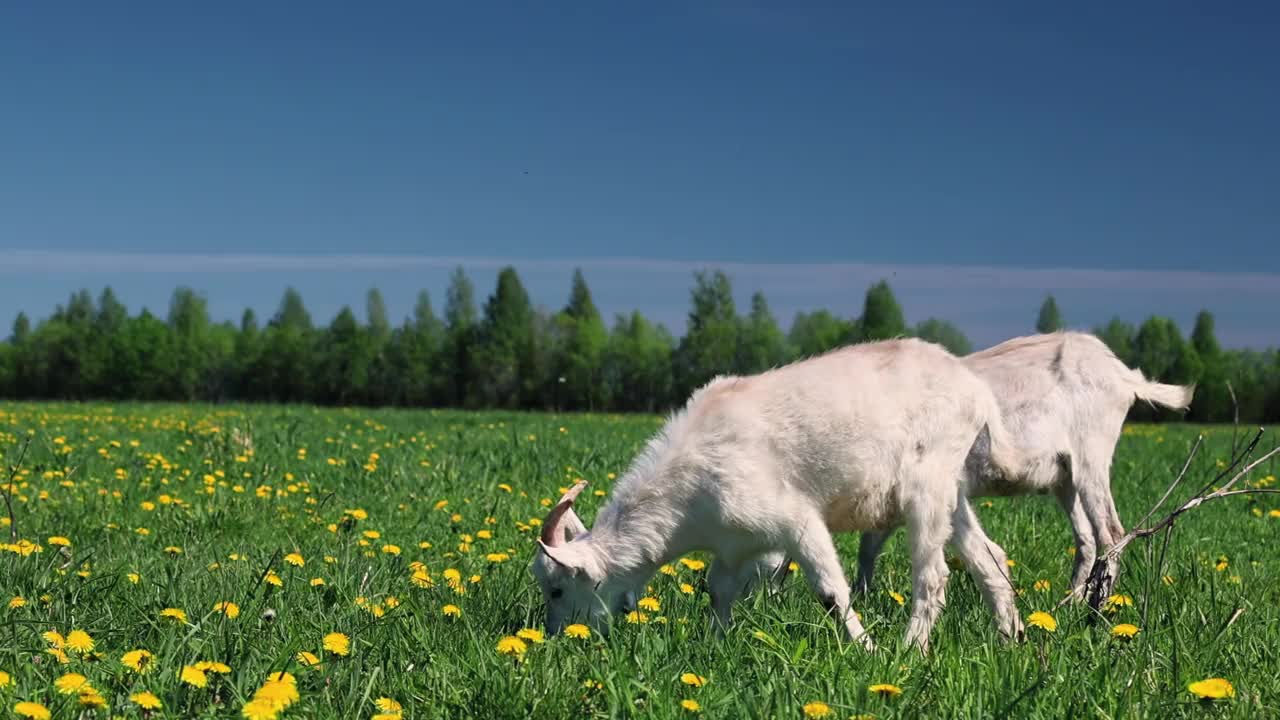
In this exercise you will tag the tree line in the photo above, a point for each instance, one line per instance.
(508, 354)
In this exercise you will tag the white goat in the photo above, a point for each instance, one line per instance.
(864, 437)
(1062, 393)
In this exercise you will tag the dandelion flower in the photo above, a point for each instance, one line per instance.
(694, 565)
(530, 634)
(145, 700)
(337, 643)
(686, 588)
(497, 557)
(193, 676)
(692, 679)
(690, 705)
(59, 540)
(79, 641)
(70, 683)
(1042, 586)
(512, 645)
(897, 597)
(228, 608)
(1212, 689)
(884, 690)
(388, 705)
(295, 559)
(451, 611)
(317, 582)
(667, 570)
(138, 661)
(578, 630)
(816, 709)
(5, 680)
(17, 602)
(32, 710)
(175, 614)
(1124, 630)
(1043, 620)
(649, 603)
(92, 698)
(213, 666)
(308, 659)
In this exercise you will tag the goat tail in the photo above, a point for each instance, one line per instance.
(1174, 397)
(994, 460)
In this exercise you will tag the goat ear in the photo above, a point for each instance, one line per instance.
(568, 557)
(573, 526)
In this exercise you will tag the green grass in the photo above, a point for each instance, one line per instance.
(89, 469)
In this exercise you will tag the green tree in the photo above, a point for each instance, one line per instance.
(1050, 318)
(761, 344)
(505, 344)
(580, 348)
(709, 346)
(817, 332)
(1119, 336)
(638, 365)
(945, 334)
(1212, 398)
(882, 317)
(348, 355)
(460, 337)
(189, 323)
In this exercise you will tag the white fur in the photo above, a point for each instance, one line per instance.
(1063, 393)
(865, 437)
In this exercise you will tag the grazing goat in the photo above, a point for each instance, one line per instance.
(1062, 393)
(865, 437)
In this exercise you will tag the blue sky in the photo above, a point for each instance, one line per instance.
(1122, 157)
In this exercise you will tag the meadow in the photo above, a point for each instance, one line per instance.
(206, 561)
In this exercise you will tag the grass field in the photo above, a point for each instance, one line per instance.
(380, 560)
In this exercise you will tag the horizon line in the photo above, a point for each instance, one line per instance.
(921, 275)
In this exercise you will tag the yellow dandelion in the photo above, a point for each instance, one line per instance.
(213, 666)
(498, 557)
(690, 705)
(138, 661)
(388, 705)
(512, 645)
(337, 643)
(1124, 630)
(32, 710)
(17, 602)
(667, 570)
(228, 608)
(1212, 689)
(686, 588)
(816, 709)
(578, 630)
(308, 659)
(273, 579)
(91, 698)
(649, 603)
(193, 676)
(391, 549)
(317, 582)
(5, 679)
(884, 690)
(692, 564)
(1042, 586)
(174, 614)
(145, 700)
(451, 611)
(692, 679)
(897, 597)
(70, 683)
(1043, 620)
(59, 540)
(295, 559)
(530, 634)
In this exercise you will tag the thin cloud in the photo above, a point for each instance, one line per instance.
(807, 276)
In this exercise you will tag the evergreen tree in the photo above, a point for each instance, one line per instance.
(945, 334)
(21, 329)
(1212, 397)
(881, 315)
(459, 346)
(504, 344)
(1050, 318)
(582, 340)
(1119, 336)
(709, 346)
(817, 332)
(761, 344)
